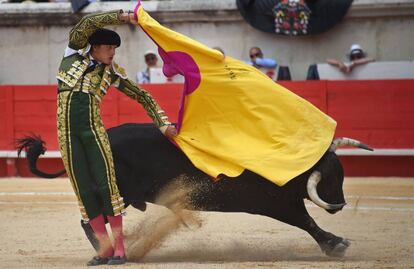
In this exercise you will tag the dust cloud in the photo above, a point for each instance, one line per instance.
(157, 226)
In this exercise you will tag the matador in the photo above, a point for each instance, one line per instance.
(86, 72)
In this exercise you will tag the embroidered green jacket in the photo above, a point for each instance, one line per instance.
(71, 74)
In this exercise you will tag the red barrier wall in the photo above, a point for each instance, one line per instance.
(6, 117)
(380, 112)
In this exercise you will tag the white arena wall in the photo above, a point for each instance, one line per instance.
(33, 36)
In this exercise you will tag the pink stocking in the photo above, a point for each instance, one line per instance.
(116, 226)
(98, 226)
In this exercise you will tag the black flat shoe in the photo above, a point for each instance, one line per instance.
(97, 261)
(115, 260)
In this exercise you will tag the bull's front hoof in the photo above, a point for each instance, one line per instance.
(335, 247)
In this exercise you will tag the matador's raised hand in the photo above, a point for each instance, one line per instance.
(128, 17)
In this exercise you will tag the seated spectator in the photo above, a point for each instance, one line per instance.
(257, 60)
(356, 56)
(151, 61)
(266, 65)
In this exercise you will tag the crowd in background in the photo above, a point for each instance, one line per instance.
(356, 56)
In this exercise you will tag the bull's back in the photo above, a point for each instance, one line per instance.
(146, 162)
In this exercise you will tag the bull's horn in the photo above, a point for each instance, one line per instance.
(344, 141)
(313, 181)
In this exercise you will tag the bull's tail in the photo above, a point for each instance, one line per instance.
(34, 147)
(344, 141)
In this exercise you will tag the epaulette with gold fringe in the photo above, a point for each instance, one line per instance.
(119, 70)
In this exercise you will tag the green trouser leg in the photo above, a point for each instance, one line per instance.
(87, 155)
(84, 179)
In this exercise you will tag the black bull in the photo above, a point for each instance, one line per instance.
(146, 162)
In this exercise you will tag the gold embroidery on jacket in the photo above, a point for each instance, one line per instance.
(72, 76)
(119, 70)
(105, 82)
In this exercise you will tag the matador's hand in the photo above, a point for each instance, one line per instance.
(132, 19)
(171, 131)
(128, 17)
(124, 17)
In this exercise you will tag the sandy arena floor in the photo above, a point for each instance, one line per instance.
(40, 229)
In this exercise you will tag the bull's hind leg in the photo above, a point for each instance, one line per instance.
(329, 243)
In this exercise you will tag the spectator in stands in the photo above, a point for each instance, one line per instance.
(257, 60)
(356, 56)
(151, 61)
(266, 65)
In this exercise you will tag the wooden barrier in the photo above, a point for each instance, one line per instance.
(378, 112)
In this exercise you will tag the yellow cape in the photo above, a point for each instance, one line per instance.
(233, 117)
